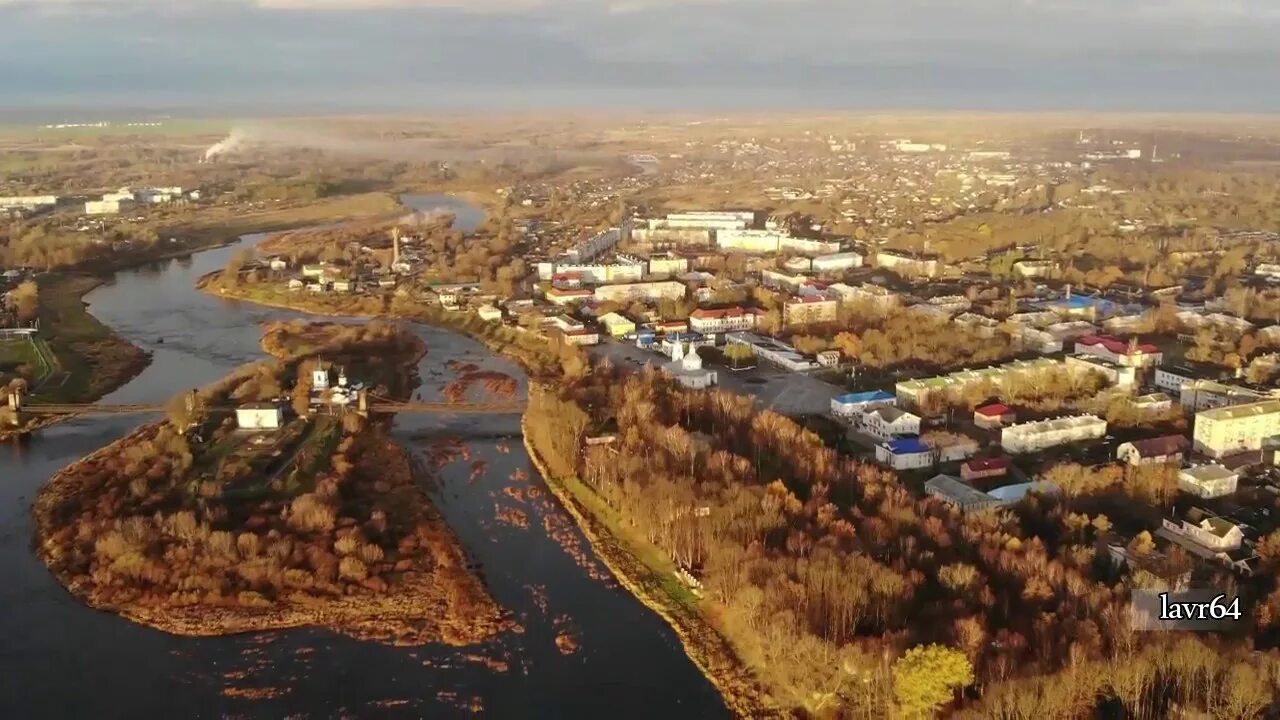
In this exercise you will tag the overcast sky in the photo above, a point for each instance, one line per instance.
(700, 54)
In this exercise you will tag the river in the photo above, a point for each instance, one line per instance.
(59, 658)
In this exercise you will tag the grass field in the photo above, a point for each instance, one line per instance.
(92, 360)
(228, 222)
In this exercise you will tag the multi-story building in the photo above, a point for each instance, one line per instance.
(616, 325)
(1044, 434)
(594, 246)
(754, 241)
(905, 264)
(886, 422)
(912, 392)
(557, 296)
(1113, 349)
(1121, 376)
(1206, 395)
(661, 266)
(1236, 429)
(854, 405)
(592, 273)
(836, 261)
(809, 311)
(661, 290)
(1035, 268)
(909, 453)
(881, 298)
(707, 220)
(733, 319)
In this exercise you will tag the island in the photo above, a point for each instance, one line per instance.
(268, 500)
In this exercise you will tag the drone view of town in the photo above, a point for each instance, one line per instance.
(639, 359)
(815, 415)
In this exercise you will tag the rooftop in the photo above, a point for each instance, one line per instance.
(1158, 446)
(1236, 412)
(956, 490)
(864, 397)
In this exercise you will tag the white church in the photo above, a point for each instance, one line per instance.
(687, 369)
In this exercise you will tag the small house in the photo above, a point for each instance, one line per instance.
(1153, 451)
(994, 416)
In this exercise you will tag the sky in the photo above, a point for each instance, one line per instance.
(1159, 55)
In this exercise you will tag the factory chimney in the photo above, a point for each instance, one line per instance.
(395, 246)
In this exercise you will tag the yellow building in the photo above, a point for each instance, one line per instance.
(809, 311)
(1236, 429)
(616, 324)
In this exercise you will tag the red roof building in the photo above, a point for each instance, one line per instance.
(978, 469)
(1129, 353)
(992, 416)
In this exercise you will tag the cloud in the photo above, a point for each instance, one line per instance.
(1070, 52)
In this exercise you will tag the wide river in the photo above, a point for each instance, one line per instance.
(60, 659)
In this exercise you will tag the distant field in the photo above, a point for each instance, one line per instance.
(230, 221)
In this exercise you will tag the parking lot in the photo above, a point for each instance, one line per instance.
(785, 392)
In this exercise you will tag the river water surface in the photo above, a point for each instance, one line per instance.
(59, 658)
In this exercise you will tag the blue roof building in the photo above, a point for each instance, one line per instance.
(852, 404)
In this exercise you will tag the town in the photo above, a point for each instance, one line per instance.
(898, 349)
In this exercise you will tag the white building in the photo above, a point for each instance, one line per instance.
(261, 416)
(906, 454)
(1035, 268)
(1208, 481)
(886, 422)
(836, 262)
(686, 368)
(733, 319)
(1205, 532)
(1044, 434)
(661, 290)
(773, 351)
(1200, 395)
(752, 241)
(853, 405)
(1113, 349)
(106, 207)
(707, 220)
(594, 246)
(1236, 429)
(905, 264)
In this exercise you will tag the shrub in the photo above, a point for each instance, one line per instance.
(248, 544)
(346, 545)
(309, 514)
(370, 553)
(352, 569)
(111, 546)
(222, 543)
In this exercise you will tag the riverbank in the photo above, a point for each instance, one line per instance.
(647, 575)
(433, 599)
(89, 359)
(195, 527)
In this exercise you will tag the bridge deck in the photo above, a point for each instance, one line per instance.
(378, 407)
